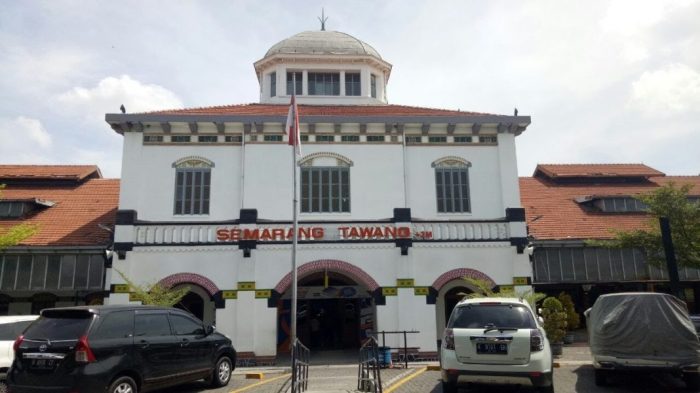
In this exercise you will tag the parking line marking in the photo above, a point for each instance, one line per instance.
(403, 381)
(243, 389)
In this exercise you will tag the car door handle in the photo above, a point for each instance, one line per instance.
(144, 344)
(185, 342)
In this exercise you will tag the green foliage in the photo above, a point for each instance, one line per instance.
(572, 318)
(15, 234)
(484, 289)
(667, 201)
(554, 319)
(154, 294)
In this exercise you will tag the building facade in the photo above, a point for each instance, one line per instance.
(396, 204)
(569, 204)
(72, 209)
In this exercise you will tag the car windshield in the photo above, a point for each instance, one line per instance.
(475, 316)
(65, 325)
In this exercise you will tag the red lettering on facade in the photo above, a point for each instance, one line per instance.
(390, 232)
(221, 235)
(249, 234)
(354, 232)
(235, 234)
(343, 232)
(317, 232)
(278, 233)
(404, 232)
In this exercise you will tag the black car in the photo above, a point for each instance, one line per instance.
(118, 349)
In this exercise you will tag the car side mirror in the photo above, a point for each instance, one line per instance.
(209, 329)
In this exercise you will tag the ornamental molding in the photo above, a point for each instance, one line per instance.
(451, 162)
(193, 162)
(341, 160)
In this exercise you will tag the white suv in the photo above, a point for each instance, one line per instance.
(495, 341)
(10, 328)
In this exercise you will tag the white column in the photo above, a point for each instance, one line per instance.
(365, 91)
(510, 190)
(305, 83)
(342, 83)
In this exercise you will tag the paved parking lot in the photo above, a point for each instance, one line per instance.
(574, 375)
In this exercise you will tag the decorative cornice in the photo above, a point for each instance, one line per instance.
(308, 160)
(451, 161)
(193, 162)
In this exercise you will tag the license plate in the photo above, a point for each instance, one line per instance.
(43, 364)
(491, 349)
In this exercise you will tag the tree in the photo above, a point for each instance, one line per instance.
(15, 234)
(672, 202)
(572, 317)
(554, 319)
(484, 289)
(154, 294)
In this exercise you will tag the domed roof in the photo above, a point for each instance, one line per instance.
(322, 43)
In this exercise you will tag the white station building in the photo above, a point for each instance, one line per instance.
(397, 204)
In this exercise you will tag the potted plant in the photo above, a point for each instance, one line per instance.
(572, 318)
(554, 323)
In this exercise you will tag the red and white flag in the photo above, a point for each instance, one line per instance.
(292, 127)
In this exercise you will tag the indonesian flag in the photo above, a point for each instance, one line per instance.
(292, 127)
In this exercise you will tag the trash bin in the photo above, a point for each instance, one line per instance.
(384, 356)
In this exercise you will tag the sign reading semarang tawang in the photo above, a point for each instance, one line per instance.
(327, 232)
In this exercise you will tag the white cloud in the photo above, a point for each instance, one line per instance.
(24, 140)
(672, 90)
(106, 97)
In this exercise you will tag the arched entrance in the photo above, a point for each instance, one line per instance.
(198, 303)
(335, 308)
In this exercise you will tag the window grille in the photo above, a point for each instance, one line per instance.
(192, 189)
(180, 138)
(292, 78)
(273, 84)
(324, 84)
(325, 190)
(373, 85)
(350, 138)
(352, 84)
(207, 139)
(273, 138)
(463, 139)
(153, 138)
(488, 139)
(452, 185)
(325, 138)
(437, 139)
(36, 272)
(376, 138)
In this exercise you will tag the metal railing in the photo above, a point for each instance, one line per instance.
(406, 355)
(300, 367)
(369, 376)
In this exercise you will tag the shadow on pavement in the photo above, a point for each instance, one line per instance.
(628, 382)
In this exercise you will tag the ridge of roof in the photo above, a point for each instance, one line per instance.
(597, 170)
(49, 172)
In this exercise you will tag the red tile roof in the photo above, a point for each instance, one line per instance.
(79, 208)
(48, 172)
(553, 214)
(318, 110)
(596, 170)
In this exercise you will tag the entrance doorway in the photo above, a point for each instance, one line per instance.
(452, 297)
(333, 313)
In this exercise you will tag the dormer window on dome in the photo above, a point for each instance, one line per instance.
(323, 67)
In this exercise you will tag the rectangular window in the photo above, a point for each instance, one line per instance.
(180, 138)
(153, 138)
(304, 138)
(325, 138)
(414, 139)
(53, 270)
(38, 272)
(9, 272)
(325, 190)
(273, 138)
(350, 138)
(13, 209)
(234, 138)
(324, 84)
(488, 139)
(82, 269)
(373, 85)
(463, 139)
(207, 139)
(24, 272)
(294, 77)
(452, 185)
(273, 84)
(375, 138)
(352, 84)
(67, 272)
(192, 190)
(96, 272)
(437, 139)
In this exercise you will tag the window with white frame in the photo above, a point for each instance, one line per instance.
(452, 185)
(373, 85)
(294, 78)
(192, 186)
(324, 83)
(352, 83)
(273, 84)
(325, 183)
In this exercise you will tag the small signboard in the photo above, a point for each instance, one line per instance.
(263, 294)
(421, 291)
(405, 282)
(246, 285)
(229, 294)
(121, 288)
(506, 288)
(390, 291)
(134, 297)
(521, 280)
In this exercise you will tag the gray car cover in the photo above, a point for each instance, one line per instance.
(649, 326)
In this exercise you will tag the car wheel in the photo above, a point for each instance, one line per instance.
(222, 372)
(692, 381)
(601, 377)
(123, 385)
(449, 387)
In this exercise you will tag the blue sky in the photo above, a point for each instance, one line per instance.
(604, 81)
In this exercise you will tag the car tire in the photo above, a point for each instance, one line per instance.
(449, 387)
(123, 385)
(692, 381)
(221, 374)
(601, 377)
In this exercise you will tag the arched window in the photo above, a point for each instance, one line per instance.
(192, 185)
(325, 183)
(452, 185)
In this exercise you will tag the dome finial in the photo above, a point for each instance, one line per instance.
(323, 20)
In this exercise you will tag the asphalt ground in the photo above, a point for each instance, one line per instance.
(575, 374)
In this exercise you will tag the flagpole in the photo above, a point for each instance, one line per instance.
(295, 232)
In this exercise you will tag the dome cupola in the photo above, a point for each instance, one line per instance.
(323, 67)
